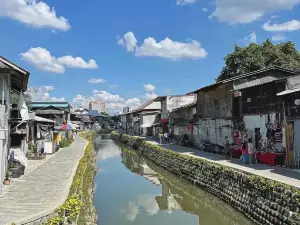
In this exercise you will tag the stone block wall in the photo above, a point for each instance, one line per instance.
(264, 201)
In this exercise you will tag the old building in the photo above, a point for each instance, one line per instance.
(245, 107)
(169, 103)
(13, 82)
(291, 107)
(183, 119)
(60, 112)
(147, 114)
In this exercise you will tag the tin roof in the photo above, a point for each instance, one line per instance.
(286, 92)
(47, 104)
(255, 82)
(246, 75)
(19, 76)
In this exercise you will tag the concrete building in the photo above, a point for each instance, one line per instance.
(97, 105)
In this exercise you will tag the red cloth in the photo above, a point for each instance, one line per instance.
(236, 153)
(269, 158)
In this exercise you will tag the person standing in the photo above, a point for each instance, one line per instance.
(250, 151)
(245, 152)
(226, 147)
(166, 136)
(160, 136)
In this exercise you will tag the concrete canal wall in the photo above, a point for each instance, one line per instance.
(264, 201)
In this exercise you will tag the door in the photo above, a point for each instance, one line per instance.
(297, 142)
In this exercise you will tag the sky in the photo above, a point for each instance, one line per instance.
(126, 52)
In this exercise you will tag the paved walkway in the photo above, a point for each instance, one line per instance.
(43, 188)
(283, 175)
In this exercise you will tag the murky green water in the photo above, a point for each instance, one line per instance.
(132, 190)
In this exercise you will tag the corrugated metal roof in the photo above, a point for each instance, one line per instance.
(288, 91)
(184, 106)
(47, 104)
(256, 82)
(93, 113)
(41, 119)
(48, 111)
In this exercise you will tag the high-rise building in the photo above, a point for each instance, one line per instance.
(99, 106)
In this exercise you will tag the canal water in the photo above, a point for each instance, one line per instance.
(130, 190)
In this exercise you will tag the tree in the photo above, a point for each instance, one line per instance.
(104, 113)
(254, 57)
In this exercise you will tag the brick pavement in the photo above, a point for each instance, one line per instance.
(43, 189)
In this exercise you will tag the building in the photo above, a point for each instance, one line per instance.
(97, 105)
(13, 83)
(60, 112)
(145, 116)
(243, 107)
(183, 119)
(169, 103)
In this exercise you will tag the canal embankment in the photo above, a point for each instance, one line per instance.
(264, 201)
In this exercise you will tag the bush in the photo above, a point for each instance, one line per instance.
(75, 207)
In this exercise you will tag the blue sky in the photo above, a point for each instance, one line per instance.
(171, 46)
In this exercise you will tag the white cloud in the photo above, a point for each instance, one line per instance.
(205, 9)
(150, 96)
(145, 201)
(96, 81)
(107, 153)
(43, 94)
(131, 211)
(292, 25)
(149, 87)
(278, 37)
(34, 13)
(252, 37)
(247, 11)
(114, 103)
(185, 2)
(43, 60)
(129, 41)
(166, 48)
(113, 86)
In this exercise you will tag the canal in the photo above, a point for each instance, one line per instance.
(132, 190)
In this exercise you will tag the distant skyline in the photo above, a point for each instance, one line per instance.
(127, 52)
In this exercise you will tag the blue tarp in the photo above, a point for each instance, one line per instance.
(93, 113)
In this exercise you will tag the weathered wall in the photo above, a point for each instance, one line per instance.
(215, 103)
(215, 130)
(264, 201)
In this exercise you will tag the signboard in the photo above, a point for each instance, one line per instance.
(297, 102)
(237, 94)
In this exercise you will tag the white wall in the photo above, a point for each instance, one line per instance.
(154, 105)
(148, 119)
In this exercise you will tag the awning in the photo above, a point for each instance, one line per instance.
(146, 125)
(254, 82)
(288, 91)
(41, 119)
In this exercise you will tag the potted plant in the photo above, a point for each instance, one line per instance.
(7, 176)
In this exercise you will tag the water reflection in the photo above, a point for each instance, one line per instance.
(177, 194)
(105, 148)
(132, 190)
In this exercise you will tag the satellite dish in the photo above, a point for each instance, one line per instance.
(297, 102)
